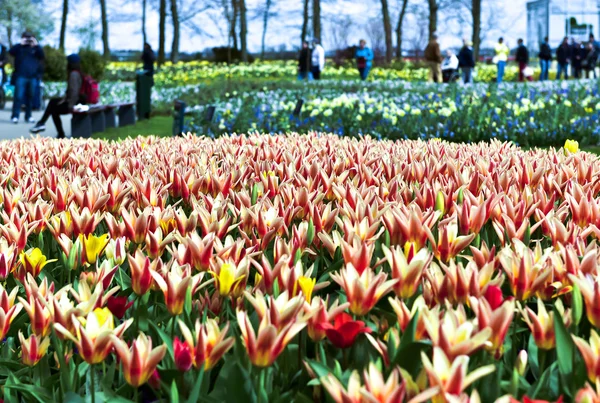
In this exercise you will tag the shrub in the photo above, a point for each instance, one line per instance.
(226, 55)
(92, 63)
(55, 64)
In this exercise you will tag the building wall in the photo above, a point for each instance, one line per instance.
(549, 18)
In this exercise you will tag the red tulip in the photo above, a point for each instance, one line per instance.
(154, 380)
(493, 295)
(344, 330)
(183, 355)
(118, 306)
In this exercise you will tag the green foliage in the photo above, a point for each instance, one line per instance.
(22, 15)
(92, 63)
(55, 64)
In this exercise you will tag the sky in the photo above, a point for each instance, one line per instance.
(508, 18)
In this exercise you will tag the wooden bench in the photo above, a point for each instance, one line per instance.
(100, 117)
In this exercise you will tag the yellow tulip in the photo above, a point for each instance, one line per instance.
(307, 284)
(228, 278)
(93, 246)
(571, 146)
(33, 261)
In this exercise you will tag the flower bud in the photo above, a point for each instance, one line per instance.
(521, 364)
(440, 202)
(115, 251)
(183, 355)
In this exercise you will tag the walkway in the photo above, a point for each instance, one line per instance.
(10, 131)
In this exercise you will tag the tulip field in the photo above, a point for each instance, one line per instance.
(278, 268)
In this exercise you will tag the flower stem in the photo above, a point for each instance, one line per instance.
(93, 382)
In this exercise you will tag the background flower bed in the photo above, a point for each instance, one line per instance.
(351, 261)
(538, 114)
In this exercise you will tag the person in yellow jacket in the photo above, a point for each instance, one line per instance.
(501, 58)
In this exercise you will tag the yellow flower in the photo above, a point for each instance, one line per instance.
(33, 261)
(228, 278)
(307, 284)
(571, 146)
(93, 246)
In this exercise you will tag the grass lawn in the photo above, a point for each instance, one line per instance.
(161, 126)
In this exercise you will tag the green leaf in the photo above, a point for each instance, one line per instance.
(174, 393)
(165, 338)
(188, 301)
(244, 390)
(72, 397)
(39, 394)
(195, 393)
(564, 349)
(318, 368)
(532, 357)
(544, 380)
(577, 311)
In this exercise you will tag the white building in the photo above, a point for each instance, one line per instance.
(559, 18)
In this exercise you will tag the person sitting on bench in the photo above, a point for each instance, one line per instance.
(64, 105)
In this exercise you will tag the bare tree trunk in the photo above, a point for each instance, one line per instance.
(243, 31)
(105, 46)
(476, 12)
(264, 33)
(162, 22)
(175, 44)
(63, 25)
(304, 22)
(233, 28)
(387, 27)
(9, 30)
(399, 29)
(317, 20)
(433, 9)
(144, 36)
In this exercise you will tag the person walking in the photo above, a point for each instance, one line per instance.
(577, 57)
(501, 57)
(3, 57)
(589, 61)
(28, 56)
(317, 60)
(304, 62)
(433, 57)
(364, 59)
(522, 57)
(148, 59)
(466, 61)
(563, 56)
(545, 57)
(63, 106)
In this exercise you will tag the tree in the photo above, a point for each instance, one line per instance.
(399, 29)
(233, 23)
(476, 13)
(175, 20)
(387, 28)
(162, 22)
(21, 15)
(243, 30)
(63, 25)
(376, 35)
(317, 20)
(433, 10)
(305, 18)
(104, 16)
(265, 23)
(144, 36)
